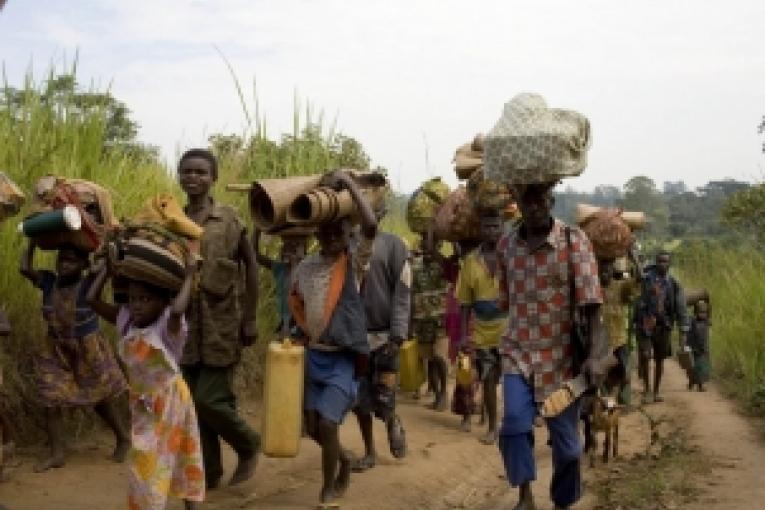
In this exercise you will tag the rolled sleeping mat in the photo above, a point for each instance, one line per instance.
(320, 205)
(271, 198)
(58, 220)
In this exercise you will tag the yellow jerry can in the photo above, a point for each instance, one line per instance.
(464, 374)
(283, 399)
(411, 373)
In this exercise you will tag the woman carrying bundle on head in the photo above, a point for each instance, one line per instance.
(76, 366)
(166, 457)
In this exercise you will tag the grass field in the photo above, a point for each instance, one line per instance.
(734, 277)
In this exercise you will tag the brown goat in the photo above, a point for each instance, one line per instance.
(603, 417)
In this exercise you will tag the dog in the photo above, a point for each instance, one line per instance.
(602, 417)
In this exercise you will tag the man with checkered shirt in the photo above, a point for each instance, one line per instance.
(536, 262)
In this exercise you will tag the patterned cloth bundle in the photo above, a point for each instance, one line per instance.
(154, 245)
(534, 144)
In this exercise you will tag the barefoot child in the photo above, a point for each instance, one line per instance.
(698, 341)
(292, 252)
(328, 309)
(478, 293)
(166, 457)
(76, 366)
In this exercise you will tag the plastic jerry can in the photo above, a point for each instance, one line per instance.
(411, 373)
(464, 373)
(283, 399)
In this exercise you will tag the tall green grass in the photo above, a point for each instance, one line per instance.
(39, 137)
(734, 276)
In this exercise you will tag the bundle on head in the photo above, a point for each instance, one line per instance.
(469, 157)
(532, 144)
(154, 246)
(69, 211)
(424, 203)
(11, 197)
(488, 194)
(457, 219)
(610, 235)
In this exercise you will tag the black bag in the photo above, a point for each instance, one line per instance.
(578, 339)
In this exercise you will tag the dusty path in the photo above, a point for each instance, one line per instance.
(445, 469)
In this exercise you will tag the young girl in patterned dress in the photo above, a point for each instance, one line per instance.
(166, 457)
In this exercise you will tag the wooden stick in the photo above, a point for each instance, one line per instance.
(242, 188)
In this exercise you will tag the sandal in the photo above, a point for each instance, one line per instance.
(397, 439)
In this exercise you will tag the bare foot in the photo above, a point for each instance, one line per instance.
(363, 464)
(489, 438)
(465, 426)
(121, 451)
(328, 499)
(191, 505)
(245, 469)
(343, 479)
(52, 462)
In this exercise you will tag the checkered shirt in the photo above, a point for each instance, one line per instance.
(534, 289)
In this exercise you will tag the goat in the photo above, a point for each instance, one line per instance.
(602, 417)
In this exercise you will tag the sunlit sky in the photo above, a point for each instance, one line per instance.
(673, 89)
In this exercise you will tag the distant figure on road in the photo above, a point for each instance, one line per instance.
(661, 307)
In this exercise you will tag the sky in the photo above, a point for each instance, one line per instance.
(673, 89)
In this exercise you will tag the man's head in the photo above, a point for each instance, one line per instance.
(491, 226)
(334, 237)
(197, 171)
(663, 261)
(536, 202)
(701, 310)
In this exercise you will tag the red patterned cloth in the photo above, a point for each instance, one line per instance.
(534, 289)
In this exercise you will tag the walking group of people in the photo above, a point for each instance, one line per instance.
(531, 306)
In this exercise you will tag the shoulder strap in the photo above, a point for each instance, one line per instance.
(571, 274)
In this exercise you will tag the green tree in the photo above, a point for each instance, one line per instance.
(745, 212)
(641, 194)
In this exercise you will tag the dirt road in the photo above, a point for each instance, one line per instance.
(445, 469)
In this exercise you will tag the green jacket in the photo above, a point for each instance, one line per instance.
(214, 314)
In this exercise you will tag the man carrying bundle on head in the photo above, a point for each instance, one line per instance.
(386, 290)
(218, 327)
(328, 308)
(547, 280)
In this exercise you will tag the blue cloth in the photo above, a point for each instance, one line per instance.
(516, 442)
(85, 319)
(330, 387)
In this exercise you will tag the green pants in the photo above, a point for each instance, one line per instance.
(211, 388)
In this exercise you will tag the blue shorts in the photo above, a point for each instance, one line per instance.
(330, 387)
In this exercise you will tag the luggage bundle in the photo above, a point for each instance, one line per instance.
(69, 212)
(534, 144)
(154, 245)
(11, 197)
(424, 204)
(485, 193)
(609, 230)
(457, 218)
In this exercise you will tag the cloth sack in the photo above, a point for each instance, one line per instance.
(488, 194)
(422, 207)
(610, 235)
(11, 197)
(456, 219)
(468, 158)
(164, 210)
(534, 144)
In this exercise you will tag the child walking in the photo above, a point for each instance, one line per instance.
(76, 366)
(329, 311)
(293, 250)
(698, 341)
(166, 457)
